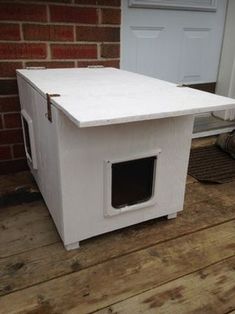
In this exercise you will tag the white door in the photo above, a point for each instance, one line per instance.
(179, 41)
(226, 78)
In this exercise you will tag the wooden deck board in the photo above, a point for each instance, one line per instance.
(25, 227)
(13, 182)
(186, 265)
(209, 290)
(42, 258)
(205, 141)
(120, 278)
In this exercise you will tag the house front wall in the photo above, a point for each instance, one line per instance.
(51, 34)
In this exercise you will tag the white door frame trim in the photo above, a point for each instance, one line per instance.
(206, 5)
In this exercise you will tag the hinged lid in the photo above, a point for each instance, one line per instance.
(102, 96)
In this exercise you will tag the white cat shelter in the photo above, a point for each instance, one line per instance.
(108, 148)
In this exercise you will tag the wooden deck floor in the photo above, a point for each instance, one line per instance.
(186, 265)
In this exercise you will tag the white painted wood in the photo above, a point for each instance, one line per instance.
(208, 124)
(47, 174)
(83, 153)
(212, 132)
(226, 78)
(95, 97)
(174, 45)
(172, 216)
(72, 246)
(196, 55)
(71, 160)
(194, 5)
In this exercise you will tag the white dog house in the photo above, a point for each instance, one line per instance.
(108, 148)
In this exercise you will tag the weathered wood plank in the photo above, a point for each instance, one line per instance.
(120, 278)
(190, 180)
(207, 291)
(220, 194)
(25, 227)
(51, 261)
(11, 182)
(204, 141)
(18, 188)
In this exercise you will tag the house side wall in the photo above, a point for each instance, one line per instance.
(45, 168)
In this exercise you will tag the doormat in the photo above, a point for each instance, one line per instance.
(211, 164)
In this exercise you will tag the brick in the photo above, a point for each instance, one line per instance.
(12, 166)
(100, 34)
(112, 3)
(73, 51)
(11, 136)
(5, 153)
(106, 63)
(48, 32)
(8, 87)
(8, 69)
(22, 51)
(18, 151)
(51, 64)
(110, 51)
(9, 31)
(22, 12)
(9, 104)
(72, 14)
(111, 16)
(12, 120)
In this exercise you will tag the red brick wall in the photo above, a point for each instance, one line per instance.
(55, 33)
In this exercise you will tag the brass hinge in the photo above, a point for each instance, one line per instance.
(49, 113)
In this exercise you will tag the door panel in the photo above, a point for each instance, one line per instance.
(191, 55)
(146, 41)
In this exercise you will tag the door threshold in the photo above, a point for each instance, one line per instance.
(209, 125)
(213, 132)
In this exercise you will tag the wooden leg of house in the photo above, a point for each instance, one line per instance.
(72, 246)
(172, 216)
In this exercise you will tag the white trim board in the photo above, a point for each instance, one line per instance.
(212, 132)
(208, 125)
(193, 5)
